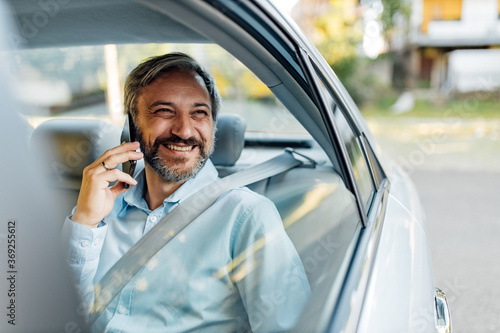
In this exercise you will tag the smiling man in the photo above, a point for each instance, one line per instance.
(233, 269)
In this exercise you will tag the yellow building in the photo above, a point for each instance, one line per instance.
(440, 10)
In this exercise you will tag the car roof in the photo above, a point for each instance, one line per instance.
(65, 23)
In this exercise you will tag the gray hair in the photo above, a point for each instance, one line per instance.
(152, 68)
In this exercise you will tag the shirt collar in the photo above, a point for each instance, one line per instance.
(135, 196)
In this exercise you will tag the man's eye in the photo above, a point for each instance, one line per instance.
(201, 113)
(163, 111)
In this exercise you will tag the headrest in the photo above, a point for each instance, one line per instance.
(229, 139)
(67, 146)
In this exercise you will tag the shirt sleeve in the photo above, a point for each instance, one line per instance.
(268, 271)
(82, 247)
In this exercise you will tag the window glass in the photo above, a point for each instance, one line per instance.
(356, 157)
(87, 82)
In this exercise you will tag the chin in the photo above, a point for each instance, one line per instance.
(168, 171)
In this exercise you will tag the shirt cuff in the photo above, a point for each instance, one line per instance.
(80, 242)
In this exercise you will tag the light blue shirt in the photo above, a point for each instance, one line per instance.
(233, 269)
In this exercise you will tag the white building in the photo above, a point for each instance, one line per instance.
(456, 44)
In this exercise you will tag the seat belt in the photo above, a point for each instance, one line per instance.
(174, 222)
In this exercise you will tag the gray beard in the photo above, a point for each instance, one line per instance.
(163, 170)
(167, 172)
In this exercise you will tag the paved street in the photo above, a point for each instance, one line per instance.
(458, 178)
(463, 221)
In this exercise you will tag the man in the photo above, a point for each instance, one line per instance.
(233, 269)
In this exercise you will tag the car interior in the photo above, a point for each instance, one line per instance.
(66, 146)
(318, 211)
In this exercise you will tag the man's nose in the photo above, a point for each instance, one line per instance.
(183, 127)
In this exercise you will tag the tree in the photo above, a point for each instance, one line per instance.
(339, 31)
(395, 18)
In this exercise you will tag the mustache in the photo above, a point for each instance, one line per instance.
(172, 139)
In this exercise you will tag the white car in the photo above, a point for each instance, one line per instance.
(354, 218)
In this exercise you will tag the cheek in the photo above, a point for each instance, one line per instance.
(207, 132)
(151, 131)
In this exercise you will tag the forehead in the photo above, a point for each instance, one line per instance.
(177, 81)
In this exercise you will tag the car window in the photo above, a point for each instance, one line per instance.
(352, 144)
(87, 82)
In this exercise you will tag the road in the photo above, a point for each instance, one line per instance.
(463, 222)
(458, 177)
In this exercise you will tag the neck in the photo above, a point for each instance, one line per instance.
(158, 189)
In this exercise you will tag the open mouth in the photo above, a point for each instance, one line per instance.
(180, 148)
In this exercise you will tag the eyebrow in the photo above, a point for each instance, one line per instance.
(195, 105)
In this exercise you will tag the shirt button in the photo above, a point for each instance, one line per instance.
(85, 243)
(153, 219)
(122, 310)
(95, 243)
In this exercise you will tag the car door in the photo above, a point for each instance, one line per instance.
(390, 272)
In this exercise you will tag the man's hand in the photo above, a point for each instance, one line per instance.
(96, 198)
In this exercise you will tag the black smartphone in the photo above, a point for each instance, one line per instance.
(128, 135)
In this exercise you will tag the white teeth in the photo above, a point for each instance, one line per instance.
(188, 148)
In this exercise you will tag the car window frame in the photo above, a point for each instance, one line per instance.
(312, 70)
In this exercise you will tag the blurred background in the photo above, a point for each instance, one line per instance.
(426, 76)
(424, 73)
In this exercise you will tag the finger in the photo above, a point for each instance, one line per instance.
(124, 147)
(119, 188)
(120, 176)
(127, 146)
(112, 161)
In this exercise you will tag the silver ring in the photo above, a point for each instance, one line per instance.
(105, 166)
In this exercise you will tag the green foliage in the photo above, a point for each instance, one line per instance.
(361, 80)
(345, 69)
(393, 8)
(458, 107)
(339, 31)
(339, 36)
